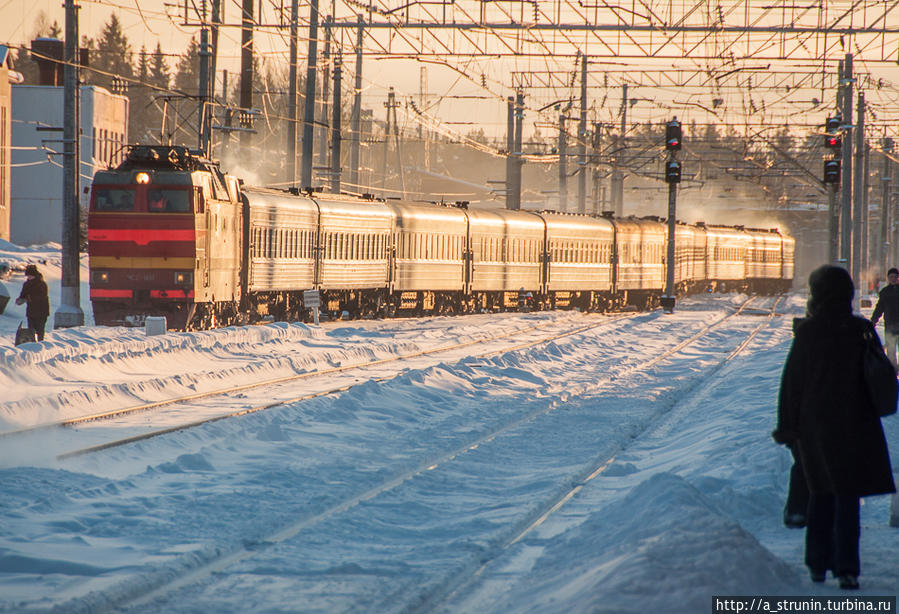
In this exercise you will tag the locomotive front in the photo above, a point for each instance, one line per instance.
(142, 238)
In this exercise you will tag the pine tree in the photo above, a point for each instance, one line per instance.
(187, 75)
(139, 95)
(112, 57)
(159, 71)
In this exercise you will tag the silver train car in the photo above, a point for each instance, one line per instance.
(373, 257)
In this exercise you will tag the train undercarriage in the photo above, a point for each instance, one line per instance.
(379, 303)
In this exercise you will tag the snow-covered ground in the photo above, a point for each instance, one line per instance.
(432, 489)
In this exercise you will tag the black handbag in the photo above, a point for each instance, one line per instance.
(880, 377)
(25, 335)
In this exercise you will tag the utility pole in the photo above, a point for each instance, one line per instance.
(887, 219)
(617, 173)
(866, 218)
(517, 159)
(846, 156)
(69, 312)
(858, 212)
(389, 105)
(309, 110)
(582, 143)
(204, 131)
(323, 129)
(291, 167)
(563, 164)
(510, 147)
(357, 112)
(246, 71)
(424, 130)
(335, 126)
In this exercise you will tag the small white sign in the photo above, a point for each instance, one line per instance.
(311, 298)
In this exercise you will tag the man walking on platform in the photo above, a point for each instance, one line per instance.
(888, 307)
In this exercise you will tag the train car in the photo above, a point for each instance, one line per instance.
(355, 247)
(689, 257)
(281, 235)
(506, 252)
(641, 247)
(429, 270)
(726, 257)
(163, 239)
(579, 271)
(764, 265)
(788, 262)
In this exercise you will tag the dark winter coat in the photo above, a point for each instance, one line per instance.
(34, 291)
(824, 410)
(888, 306)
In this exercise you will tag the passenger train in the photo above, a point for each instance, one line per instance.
(170, 234)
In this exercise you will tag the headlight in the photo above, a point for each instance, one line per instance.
(99, 277)
(184, 278)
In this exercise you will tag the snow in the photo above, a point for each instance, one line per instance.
(428, 484)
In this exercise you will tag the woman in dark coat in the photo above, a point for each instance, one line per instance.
(825, 414)
(34, 292)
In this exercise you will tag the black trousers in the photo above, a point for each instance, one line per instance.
(797, 495)
(38, 325)
(832, 533)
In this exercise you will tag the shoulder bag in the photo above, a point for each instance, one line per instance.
(880, 377)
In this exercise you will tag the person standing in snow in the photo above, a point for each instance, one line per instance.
(825, 414)
(34, 292)
(888, 306)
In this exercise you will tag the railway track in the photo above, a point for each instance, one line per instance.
(440, 593)
(436, 592)
(190, 411)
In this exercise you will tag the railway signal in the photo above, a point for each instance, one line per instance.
(672, 171)
(833, 140)
(831, 171)
(673, 135)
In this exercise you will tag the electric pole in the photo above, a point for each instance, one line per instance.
(309, 109)
(69, 312)
(357, 112)
(582, 143)
(291, 167)
(846, 195)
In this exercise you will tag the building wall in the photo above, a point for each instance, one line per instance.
(5, 128)
(36, 186)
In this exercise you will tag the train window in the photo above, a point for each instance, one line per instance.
(168, 201)
(113, 200)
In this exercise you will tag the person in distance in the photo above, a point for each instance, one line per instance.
(825, 414)
(34, 292)
(888, 306)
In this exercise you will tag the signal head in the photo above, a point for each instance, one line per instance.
(673, 135)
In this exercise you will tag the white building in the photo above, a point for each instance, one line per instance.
(36, 186)
(6, 78)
